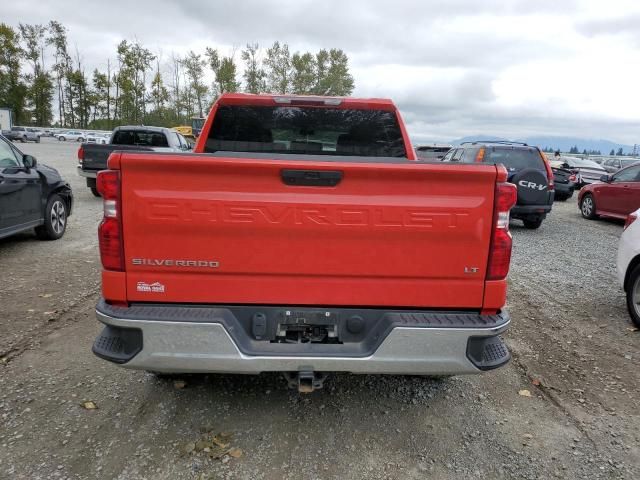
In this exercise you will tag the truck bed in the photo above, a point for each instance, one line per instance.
(96, 155)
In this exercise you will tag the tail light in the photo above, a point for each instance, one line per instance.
(500, 251)
(632, 217)
(110, 229)
(547, 167)
(80, 155)
(480, 155)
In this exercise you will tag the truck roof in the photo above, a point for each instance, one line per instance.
(307, 100)
(142, 128)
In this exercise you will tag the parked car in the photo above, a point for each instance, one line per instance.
(92, 157)
(612, 165)
(73, 135)
(565, 181)
(98, 138)
(614, 195)
(21, 134)
(432, 153)
(32, 195)
(528, 169)
(629, 264)
(263, 251)
(36, 131)
(589, 170)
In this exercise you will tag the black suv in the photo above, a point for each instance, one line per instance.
(32, 196)
(527, 170)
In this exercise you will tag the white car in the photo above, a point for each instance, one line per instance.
(629, 264)
(74, 135)
(98, 138)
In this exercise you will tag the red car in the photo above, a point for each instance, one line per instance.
(614, 196)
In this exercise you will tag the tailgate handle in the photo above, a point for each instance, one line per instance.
(313, 178)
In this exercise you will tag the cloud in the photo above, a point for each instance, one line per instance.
(454, 67)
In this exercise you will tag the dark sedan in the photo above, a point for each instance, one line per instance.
(565, 181)
(32, 196)
(614, 196)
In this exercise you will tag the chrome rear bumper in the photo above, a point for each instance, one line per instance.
(207, 346)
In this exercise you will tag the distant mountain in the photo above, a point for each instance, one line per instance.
(564, 144)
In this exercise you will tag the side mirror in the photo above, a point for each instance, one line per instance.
(29, 162)
(606, 178)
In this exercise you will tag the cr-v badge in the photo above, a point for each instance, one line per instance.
(531, 185)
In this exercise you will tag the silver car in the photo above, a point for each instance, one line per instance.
(612, 165)
(589, 170)
(22, 134)
(74, 135)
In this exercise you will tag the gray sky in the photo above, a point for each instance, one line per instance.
(454, 67)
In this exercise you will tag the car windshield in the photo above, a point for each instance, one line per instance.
(515, 158)
(312, 130)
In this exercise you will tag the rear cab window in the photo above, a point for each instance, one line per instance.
(306, 131)
(140, 137)
(514, 159)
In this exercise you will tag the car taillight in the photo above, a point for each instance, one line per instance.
(110, 229)
(500, 251)
(80, 155)
(547, 167)
(632, 217)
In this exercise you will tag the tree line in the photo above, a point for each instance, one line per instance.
(575, 149)
(42, 78)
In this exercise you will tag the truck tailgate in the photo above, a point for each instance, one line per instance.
(207, 229)
(95, 155)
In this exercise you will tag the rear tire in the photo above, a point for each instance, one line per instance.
(633, 295)
(55, 219)
(588, 207)
(532, 224)
(95, 191)
(561, 198)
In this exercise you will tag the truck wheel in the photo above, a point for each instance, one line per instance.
(532, 224)
(95, 191)
(22, 140)
(588, 207)
(62, 139)
(55, 219)
(633, 295)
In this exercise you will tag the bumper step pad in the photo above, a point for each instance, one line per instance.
(488, 353)
(118, 344)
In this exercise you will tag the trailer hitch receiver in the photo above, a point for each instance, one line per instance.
(305, 381)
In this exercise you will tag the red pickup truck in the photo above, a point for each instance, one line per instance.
(301, 236)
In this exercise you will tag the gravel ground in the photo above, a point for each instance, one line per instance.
(574, 351)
